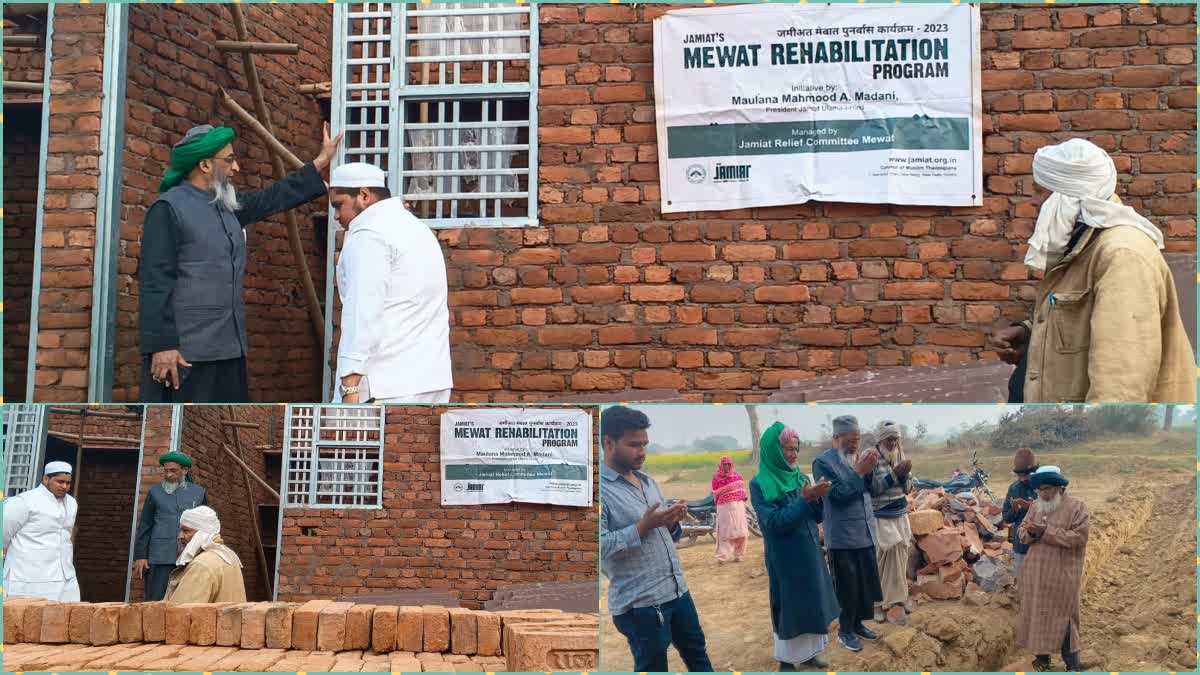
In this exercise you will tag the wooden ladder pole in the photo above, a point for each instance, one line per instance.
(260, 109)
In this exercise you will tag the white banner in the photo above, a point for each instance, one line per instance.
(767, 105)
(501, 455)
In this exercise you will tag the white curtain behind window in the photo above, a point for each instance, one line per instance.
(465, 137)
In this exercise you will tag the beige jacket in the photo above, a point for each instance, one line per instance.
(1106, 327)
(207, 578)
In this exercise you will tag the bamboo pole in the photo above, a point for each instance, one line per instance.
(24, 8)
(254, 525)
(243, 47)
(30, 87)
(78, 460)
(274, 145)
(315, 88)
(250, 472)
(96, 440)
(426, 205)
(260, 108)
(97, 413)
(22, 40)
(240, 425)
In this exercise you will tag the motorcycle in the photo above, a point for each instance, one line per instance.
(978, 478)
(701, 519)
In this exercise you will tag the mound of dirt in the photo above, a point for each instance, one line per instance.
(945, 636)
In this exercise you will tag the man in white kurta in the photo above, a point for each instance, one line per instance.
(391, 277)
(38, 554)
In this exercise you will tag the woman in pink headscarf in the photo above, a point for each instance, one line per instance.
(729, 493)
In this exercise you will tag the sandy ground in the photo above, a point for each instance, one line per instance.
(1136, 612)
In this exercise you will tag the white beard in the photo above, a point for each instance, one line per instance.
(850, 459)
(224, 194)
(170, 487)
(1050, 506)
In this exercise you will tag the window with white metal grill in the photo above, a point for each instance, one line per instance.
(334, 457)
(443, 96)
(24, 446)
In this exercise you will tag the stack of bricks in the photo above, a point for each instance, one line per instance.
(319, 635)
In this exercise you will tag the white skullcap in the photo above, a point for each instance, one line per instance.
(358, 175)
(201, 518)
(57, 467)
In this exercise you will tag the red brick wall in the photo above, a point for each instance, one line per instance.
(107, 484)
(72, 180)
(175, 74)
(156, 441)
(202, 438)
(68, 423)
(415, 542)
(611, 294)
(22, 137)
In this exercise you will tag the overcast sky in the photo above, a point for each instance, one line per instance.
(675, 424)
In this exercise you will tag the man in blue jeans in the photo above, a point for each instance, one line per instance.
(647, 594)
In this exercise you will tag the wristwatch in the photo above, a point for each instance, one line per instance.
(346, 391)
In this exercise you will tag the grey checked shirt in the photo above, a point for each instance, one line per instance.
(641, 572)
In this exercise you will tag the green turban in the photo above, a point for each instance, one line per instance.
(199, 144)
(775, 478)
(180, 459)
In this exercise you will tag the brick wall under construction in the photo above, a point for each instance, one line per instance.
(106, 481)
(175, 74)
(608, 293)
(202, 438)
(415, 542)
(611, 294)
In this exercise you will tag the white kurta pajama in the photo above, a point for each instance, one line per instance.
(38, 553)
(395, 323)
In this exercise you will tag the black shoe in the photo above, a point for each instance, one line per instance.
(865, 633)
(850, 641)
(786, 667)
(817, 662)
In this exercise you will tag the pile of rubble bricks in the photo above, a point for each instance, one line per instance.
(316, 636)
(962, 550)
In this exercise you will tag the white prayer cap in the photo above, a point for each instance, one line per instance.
(57, 467)
(201, 518)
(358, 175)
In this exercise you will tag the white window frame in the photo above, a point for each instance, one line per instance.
(383, 69)
(24, 446)
(333, 457)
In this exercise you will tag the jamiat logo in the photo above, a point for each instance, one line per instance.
(729, 173)
(696, 174)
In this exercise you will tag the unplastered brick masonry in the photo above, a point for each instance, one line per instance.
(316, 636)
(607, 293)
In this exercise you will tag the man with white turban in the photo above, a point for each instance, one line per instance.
(891, 483)
(1106, 325)
(1056, 531)
(209, 571)
(38, 552)
(391, 277)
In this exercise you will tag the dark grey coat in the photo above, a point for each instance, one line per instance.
(158, 528)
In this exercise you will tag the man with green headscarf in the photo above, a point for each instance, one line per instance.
(156, 545)
(191, 313)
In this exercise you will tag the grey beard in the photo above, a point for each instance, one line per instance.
(1049, 506)
(170, 487)
(224, 194)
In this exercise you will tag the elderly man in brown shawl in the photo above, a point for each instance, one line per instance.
(1056, 530)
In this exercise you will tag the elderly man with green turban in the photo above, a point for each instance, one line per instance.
(156, 546)
(191, 313)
